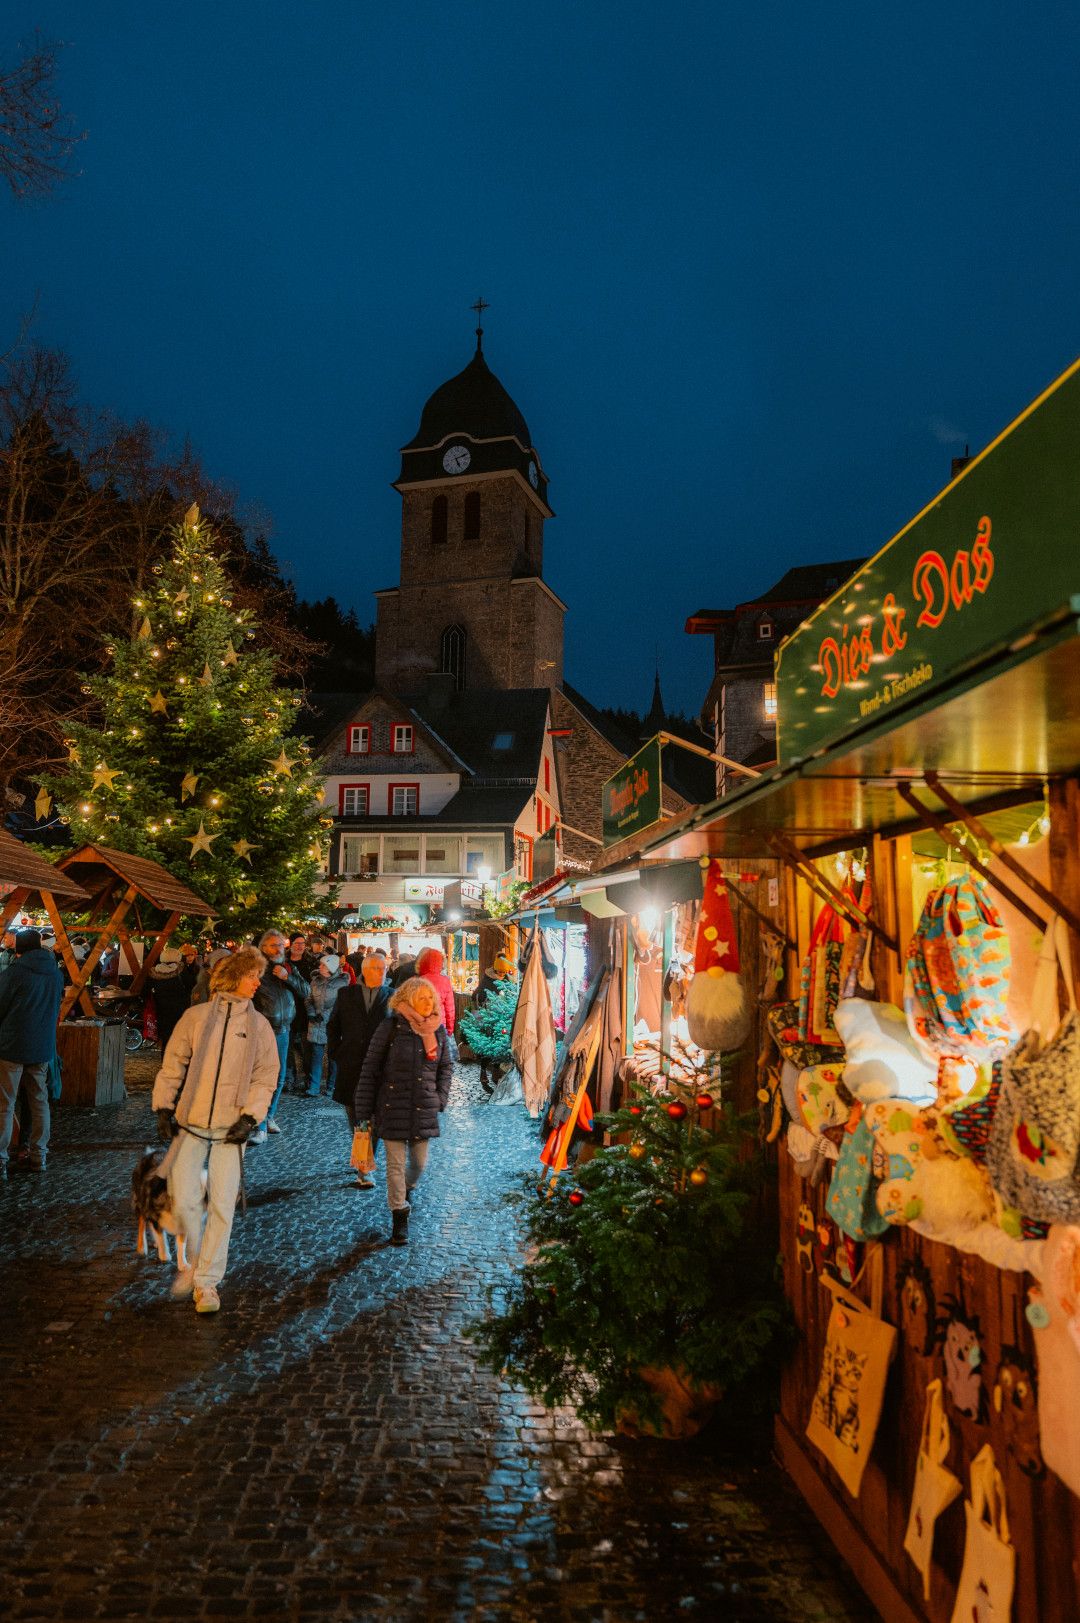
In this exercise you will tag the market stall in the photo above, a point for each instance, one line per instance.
(926, 816)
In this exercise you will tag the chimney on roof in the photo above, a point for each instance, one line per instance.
(959, 463)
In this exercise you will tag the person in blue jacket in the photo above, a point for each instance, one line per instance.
(30, 994)
(404, 1085)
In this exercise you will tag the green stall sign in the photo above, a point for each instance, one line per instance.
(632, 796)
(994, 555)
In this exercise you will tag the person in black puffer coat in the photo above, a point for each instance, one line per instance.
(403, 1088)
(358, 1013)
(30, 994)
(281, 992)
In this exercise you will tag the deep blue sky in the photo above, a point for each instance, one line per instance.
(756, 271)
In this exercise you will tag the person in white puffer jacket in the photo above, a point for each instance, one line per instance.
(215, 1085)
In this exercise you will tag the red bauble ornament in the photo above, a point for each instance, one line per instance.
(635, 1110)
(676, 1110)
(576, 1197)
(704, 1101)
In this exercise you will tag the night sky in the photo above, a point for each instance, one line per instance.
(756, 272)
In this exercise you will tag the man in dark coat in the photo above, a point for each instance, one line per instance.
(280, 993)
(30, 993)
(404, 1086)
(357, 1014)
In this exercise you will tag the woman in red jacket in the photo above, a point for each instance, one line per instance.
(430, 965)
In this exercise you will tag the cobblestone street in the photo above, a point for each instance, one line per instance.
(326, 1445)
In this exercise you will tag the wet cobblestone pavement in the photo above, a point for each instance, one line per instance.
(326, 1446)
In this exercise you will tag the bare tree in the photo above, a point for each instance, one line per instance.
(37, 138)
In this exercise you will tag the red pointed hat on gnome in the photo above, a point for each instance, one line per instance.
(717, 1008)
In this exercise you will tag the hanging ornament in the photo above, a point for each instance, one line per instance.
(205, 680)
(201, 841)
(636, 1151)
(676, 1110)
(103, 777)
(576, 1197)
(242, 847)
(191, 517)
(158, 705)
(250, 899)
(187, 785)
(698, 1177)
(635, 1110)
(717, 1008)
(704, 1101)
(282, 766)
(182, 596)
(157, 568)
(143, 631)
(42, 804)
(230, 656)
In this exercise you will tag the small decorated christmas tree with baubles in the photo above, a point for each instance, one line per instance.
(651, 1291)
(487, 1026)
(193, 764)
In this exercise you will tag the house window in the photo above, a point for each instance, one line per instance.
(452, 654)
(768, 693)
(360, 855)
(442, 853)
(765, 631)
(354, 800)
(401, 853)
(483, 851)
(502, 741)
(439, 513)
(523, 856)
(403, 799)
(402, 739)
(472, 516)
(360, 739)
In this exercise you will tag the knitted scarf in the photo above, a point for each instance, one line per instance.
(425, 1026)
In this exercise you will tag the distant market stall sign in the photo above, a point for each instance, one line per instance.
(970, 575)
(632, 796)
(391, 916)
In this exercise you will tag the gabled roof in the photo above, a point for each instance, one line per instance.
(91, 866)
(23, 868)
(331, 713)
(496, 732)
(803, 585)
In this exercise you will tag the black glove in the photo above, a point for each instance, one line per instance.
(241, 1130)
(166, 1126)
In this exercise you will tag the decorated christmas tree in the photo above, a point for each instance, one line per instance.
(193, 764)
(486, 1027)
(651, 1272)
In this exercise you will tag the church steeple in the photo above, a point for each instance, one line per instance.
(656, 720)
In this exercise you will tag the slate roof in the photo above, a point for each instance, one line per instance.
(470, 723)
(786, 604)
(473, 402)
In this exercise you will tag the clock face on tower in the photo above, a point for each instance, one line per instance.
(457, 459)
(534, 476)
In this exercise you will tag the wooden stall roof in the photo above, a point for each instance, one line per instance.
(150, 879)
(21, 867)
(994, 738)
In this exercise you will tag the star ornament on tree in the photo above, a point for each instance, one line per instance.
(205, 680)
(157, 703)
(282, 766)
(103, 777)
(230, 656)
(42, 805)
(144, 630)
(201, 841)
(182, 596)
(187, 786)
(242, 848)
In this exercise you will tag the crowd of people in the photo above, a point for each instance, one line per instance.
(237, 1025)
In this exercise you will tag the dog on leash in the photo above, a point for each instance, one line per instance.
(153, 1210)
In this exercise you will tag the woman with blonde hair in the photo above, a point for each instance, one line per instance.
(216, 1081)
(404, 1085)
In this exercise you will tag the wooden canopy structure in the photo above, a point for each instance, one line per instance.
(116, 883)
(33, 877)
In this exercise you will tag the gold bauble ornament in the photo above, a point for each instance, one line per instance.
(637, 1152)
(699, 1176)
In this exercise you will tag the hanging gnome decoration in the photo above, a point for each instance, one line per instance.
(717, 1007)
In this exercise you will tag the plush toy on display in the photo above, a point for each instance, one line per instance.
(717, 1007)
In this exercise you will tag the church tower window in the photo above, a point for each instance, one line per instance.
(472, 516)
(439, 514)
(452, 655)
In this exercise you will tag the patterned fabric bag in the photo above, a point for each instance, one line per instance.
(989, 1571)
(783, 1023)
(859, 1346)
(956, 978)
(1035, 1144)
(935, 1486)
(851, 1199)
(971, 1122)
(820, 986)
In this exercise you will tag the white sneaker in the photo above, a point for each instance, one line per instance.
(272, 1127)
(183, 1285)
(207, 1299)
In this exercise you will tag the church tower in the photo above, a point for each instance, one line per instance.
(472, 602)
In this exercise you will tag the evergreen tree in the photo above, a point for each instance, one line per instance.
(487, 1026)
(193, 764)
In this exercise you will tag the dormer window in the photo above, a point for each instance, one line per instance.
(360, 739)
(765, 630)
(402, 739)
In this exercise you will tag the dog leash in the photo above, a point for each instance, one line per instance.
(207, 1139)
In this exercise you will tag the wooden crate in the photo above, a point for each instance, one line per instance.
(92, 1054)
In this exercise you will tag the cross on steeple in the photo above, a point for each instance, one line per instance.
(479, 307)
